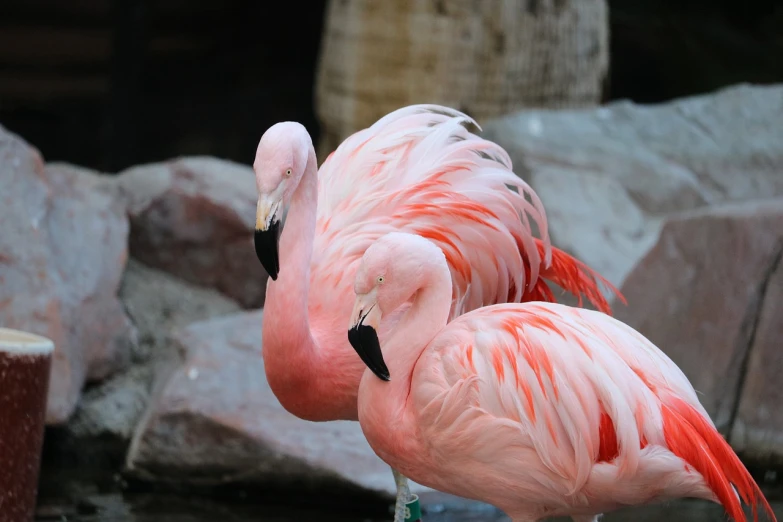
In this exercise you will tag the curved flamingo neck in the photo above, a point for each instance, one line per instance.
(426, 317)
(291, 354)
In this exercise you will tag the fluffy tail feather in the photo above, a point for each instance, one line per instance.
(573, 276)
(692, 438)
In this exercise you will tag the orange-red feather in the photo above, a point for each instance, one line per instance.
(573, 276)
(689, 436)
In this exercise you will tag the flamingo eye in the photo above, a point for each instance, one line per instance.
(288, 173)
(380, 279)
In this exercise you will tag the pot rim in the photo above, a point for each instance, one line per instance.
(21, 342)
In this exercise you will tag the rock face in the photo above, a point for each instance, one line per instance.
(704, 295)
(216, 421)
(608, 176)
(157, 303)
(194, 218)
(62, 254)
(757, 431)
(88, 238)
(28, 292)
(485, 58)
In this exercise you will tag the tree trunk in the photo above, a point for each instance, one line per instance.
(484, 57)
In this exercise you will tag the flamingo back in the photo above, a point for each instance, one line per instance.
(421, 170)
(572, 404)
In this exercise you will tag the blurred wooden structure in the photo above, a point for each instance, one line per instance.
(487, 58)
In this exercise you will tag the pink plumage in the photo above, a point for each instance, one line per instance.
(416, 170)
(538, 408)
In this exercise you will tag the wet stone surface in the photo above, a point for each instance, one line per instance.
(80, 503)
(144, 508)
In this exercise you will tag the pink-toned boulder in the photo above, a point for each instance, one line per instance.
(757, 431)
(194, 218)
(88, 236)
(62, 254)
(709, 295)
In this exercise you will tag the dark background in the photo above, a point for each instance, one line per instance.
(111, 83)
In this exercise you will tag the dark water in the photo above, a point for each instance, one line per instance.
(116, 507)
(71, 493)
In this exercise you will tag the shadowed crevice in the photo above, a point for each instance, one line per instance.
(748, 332)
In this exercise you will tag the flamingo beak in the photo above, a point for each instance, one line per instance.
(363, 335)
(267, 235)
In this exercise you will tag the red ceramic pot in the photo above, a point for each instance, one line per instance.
(25, 362)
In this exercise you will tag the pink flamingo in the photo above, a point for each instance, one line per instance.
(537, 408)
(417, 170)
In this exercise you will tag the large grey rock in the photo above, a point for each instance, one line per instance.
(62, 253)
(709, 294)
(194, 218)
(215, 421)
(157, 303)
(609, 176)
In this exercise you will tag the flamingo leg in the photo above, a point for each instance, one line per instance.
(403, 495)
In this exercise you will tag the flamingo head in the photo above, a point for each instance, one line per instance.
(280, 162)
(392, 270)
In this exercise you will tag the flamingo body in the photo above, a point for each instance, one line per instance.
(537, 408)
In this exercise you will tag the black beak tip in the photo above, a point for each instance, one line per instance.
(364, 340)
(272, 274)
(266, 249)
